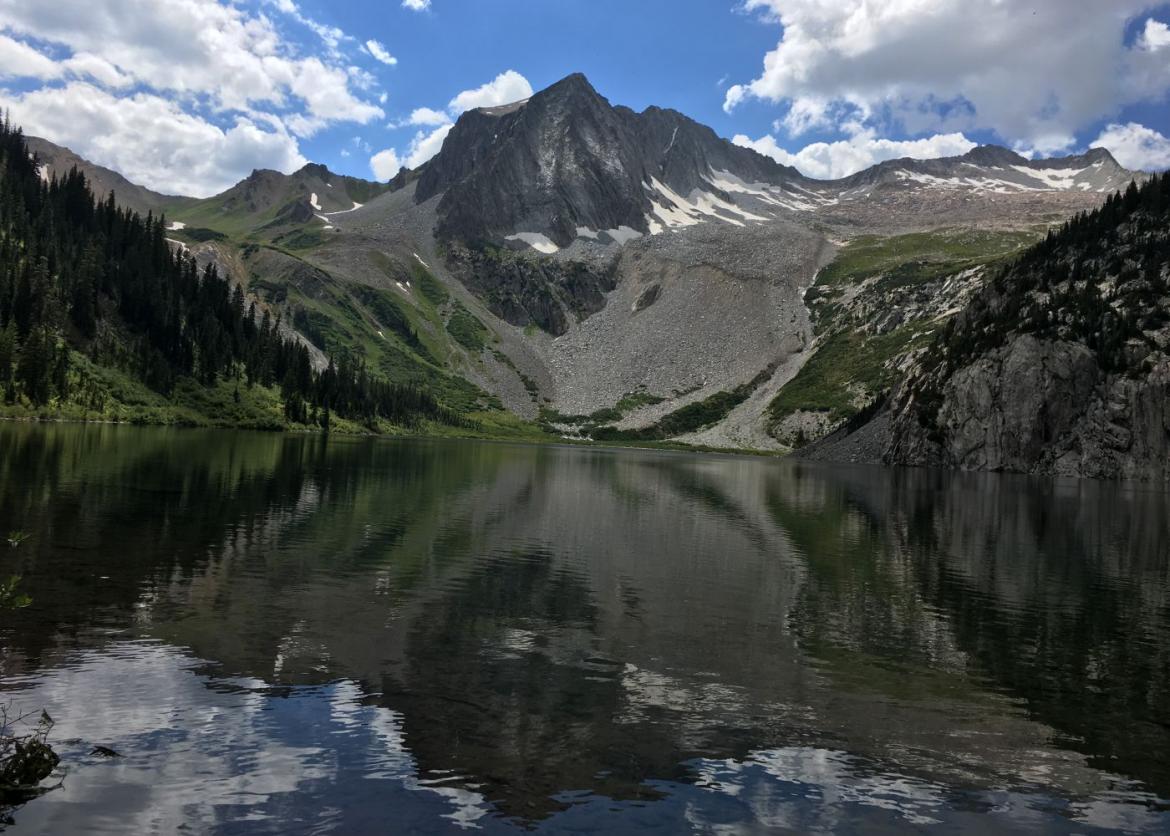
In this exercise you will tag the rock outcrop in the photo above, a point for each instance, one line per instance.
(1062, 364)
(565, 162)
(1042, 406)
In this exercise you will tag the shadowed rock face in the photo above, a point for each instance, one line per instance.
(567, 159)
(1060, 365)
(1043, 406)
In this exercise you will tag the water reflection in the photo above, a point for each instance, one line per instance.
(372, 636)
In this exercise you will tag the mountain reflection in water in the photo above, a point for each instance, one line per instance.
(291, 634)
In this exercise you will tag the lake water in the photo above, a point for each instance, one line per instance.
(285, 634)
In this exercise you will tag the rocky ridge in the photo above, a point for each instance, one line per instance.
(1059, 366)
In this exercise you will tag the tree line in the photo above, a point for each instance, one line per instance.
(79, 274)
(1100, 279)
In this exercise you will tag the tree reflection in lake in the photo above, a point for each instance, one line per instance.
(334, 633)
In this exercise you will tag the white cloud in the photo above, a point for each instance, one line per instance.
(426, 145)
(218, 89)
(1136, 146)
(507, 87)
(427, 116)
(85, 65)
(331, 35)
(19, 60)
(380, 53)
(830, 160)
(416, 5)
(165, 148)
(385, 164)
(194, 49)
(1155, 36)
(1029, 72)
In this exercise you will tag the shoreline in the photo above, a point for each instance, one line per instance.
(663, 446)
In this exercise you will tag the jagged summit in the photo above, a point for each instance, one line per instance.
(991, 169)
(992, 155)
(566, 164)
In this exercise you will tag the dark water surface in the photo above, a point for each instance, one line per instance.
(286, 635)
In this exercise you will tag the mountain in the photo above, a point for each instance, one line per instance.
(566, 165)
(56, 160)
(271, 201)
(990, 168)
(571, 267)
(1060, 365)
(101, 317)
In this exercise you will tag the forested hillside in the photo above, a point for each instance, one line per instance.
(1062, 364)
(102, 317)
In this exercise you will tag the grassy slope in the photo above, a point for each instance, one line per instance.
(849, 366)
(418, 338)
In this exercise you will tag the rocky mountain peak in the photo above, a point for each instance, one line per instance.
(993, 156)
(567, 164)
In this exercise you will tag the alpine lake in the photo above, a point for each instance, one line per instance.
(285, 634)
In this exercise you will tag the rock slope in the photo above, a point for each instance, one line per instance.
(1061, 365)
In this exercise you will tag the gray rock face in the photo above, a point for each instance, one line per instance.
(1045, 407)
(996, 169)
(523, 290)
(566, 159)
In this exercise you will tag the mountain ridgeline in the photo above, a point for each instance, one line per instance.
(94, 300)
(566, 163)
(567, 267)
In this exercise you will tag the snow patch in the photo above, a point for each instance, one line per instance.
(538, 241)
(1053, 178)
(175, 226)
(356, 206)
(418, 258)
(673, 137)
(676, 211)
(623, 234)
(586, 232)
(313, 202)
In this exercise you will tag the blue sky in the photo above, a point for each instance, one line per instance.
(190, 95)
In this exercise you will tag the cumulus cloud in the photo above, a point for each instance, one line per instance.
(509, 86)
(384, 164)
(1136, 146)
(428, 116)
(222, 79)
(166, 148)
(19, 60)
(416, 5)
(193, 48)
(1029, 73)
(1155, 36)
(380, 53)
(425, 145)
(830, 160)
